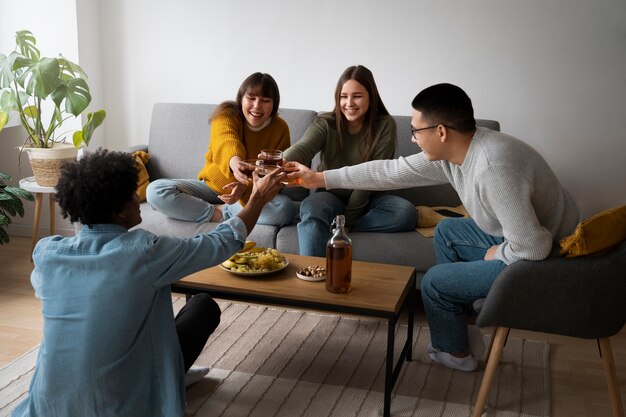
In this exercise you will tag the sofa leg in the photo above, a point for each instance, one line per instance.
(611, 376)
(493, 360)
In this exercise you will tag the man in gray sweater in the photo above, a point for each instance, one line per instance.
(518, 209)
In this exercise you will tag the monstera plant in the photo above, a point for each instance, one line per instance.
(44, 92)
(28, 80)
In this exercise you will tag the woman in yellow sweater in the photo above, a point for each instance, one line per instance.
(239, 130)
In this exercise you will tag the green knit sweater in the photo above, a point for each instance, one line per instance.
(322, 137)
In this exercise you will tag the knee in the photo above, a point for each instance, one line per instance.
(319, 206)
(407, 213)
(286, 207)
(443, 230)
(429, 283)
(155, 191)
(280, 211)
(306, 207)
(209, 309)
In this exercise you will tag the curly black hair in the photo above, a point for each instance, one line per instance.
(97, 186)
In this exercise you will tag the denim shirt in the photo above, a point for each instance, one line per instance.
(109, 344)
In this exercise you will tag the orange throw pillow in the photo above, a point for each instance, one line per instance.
(141, 159)
(596, 235)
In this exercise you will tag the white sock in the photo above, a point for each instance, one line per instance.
(466, 364)
(195, 374)
(475, 341)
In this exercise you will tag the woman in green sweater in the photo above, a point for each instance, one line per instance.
(359, 129)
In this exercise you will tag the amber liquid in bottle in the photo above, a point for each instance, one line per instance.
(339, 259)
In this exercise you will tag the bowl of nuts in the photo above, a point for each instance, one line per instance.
(312, 273)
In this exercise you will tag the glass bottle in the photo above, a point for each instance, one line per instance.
(339, 258)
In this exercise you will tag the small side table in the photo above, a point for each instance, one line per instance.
(30, 184)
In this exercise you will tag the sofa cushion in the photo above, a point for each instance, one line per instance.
(179, 139)
(157, 223)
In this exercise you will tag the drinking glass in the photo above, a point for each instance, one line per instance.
(248, 166)
(272, 157)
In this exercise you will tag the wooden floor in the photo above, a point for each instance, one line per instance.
(577, 379)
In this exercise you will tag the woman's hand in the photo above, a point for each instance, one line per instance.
(300, 175)
(236, 166)
(237, 190)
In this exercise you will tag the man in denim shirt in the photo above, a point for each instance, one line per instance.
(111, 345)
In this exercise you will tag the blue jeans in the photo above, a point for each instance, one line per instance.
(384, 213)
(194, 201)
(460, 277)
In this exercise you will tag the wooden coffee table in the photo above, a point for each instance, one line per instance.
(378, 290)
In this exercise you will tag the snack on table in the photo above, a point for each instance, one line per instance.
(253, 259)
(313, 271)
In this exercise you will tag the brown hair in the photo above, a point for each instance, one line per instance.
(376, 109)
(258, 83)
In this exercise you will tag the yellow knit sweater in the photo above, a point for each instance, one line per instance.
(230, 137)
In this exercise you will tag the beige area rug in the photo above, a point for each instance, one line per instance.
(268, 361)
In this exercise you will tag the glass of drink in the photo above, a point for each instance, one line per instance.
(263, 169)
(272, 157)
(248, 166)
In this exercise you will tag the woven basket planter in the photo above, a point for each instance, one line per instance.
(47, 162)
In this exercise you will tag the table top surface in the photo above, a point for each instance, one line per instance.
(375, 287)
(29, 184)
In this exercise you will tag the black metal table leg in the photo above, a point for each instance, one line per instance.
(389, 379)
(411, 306)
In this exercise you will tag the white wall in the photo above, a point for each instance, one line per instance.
(553, 72)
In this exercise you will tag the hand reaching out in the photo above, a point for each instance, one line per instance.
(263, 191)
(237, 189)
(239, 173)
(303, 176)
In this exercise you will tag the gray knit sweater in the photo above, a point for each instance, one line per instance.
(505, 185)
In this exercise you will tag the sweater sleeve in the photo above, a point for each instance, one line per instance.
(226, 142)
(312, 142)
(508, 195)
(390, 174)
(174, 258)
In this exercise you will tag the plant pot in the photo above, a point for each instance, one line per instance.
(47, 162)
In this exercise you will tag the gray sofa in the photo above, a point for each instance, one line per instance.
(178, 140)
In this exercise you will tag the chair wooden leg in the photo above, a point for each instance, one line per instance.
(492, 338)
(495, 353)
(611, 376)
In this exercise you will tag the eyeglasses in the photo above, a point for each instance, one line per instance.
(414, 131)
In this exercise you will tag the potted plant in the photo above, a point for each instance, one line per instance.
(10, 205)
(45, 92)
